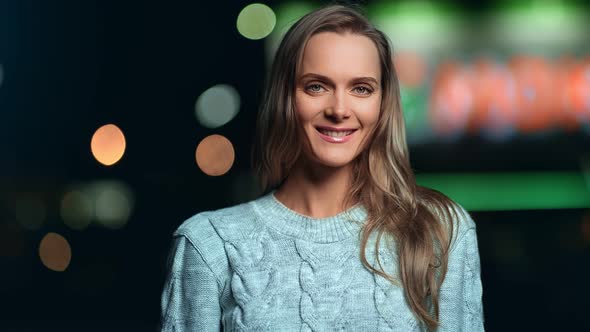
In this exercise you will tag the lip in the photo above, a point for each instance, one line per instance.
(334, 129)
(331, 139)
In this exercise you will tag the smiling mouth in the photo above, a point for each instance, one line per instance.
(335, 133)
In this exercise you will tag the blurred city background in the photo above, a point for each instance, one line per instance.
(121, 119)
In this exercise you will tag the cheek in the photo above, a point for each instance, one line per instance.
(306, 108)
(370, 116)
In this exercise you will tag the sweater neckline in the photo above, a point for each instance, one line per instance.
(284, 220)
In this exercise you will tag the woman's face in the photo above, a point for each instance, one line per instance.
(338, 96)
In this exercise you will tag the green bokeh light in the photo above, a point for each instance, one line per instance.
(512, 191)
(256, 21)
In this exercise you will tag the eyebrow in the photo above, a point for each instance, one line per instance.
(325, 78)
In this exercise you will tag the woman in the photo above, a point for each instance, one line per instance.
(342, 237)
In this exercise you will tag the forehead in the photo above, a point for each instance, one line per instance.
(341, 55)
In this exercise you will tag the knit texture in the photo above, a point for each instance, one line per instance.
(260, 266)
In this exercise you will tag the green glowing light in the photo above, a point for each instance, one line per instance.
(512, 191)
(256, 21)
(423, 26)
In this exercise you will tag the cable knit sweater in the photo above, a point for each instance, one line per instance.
(260, 266)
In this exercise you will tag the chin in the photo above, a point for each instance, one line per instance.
(335, 164)
(339, 161)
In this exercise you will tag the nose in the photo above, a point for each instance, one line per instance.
(337, 108)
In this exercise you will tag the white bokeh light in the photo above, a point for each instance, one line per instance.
(217, 106)
(113, 203)
(77, 209)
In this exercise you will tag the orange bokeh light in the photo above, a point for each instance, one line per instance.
(411, 68)
(215, 155)
(55, 252)
(536, 97)
(576, 94)
(108, 144)
(452, 99)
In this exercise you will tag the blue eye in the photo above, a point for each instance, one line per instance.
(313, 85)
(365, 89)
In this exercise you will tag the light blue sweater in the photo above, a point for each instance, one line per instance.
(260, 266)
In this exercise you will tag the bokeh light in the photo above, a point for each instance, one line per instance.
(411, 68)
(494, 91)
(576, 93)
(108, 144)
(503, 191)
(108, 203)
(452, 100)
(55, 252)
(426, 27)
(256, 21)
(535, 97)
(30, 211)
(77, 209)
(540, 25)
(113, 203)
(215, 155)
(414, 103)
(217, 106)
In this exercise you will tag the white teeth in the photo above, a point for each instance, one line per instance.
(335, 133)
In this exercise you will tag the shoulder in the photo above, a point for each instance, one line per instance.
(455, 218)
(447, 210)
(201, 219)
(210, 229)
(451, 214)
(200, 239)
(206, 233)
(463, 220)
(464, 238)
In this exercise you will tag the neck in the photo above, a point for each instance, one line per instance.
(317, 191)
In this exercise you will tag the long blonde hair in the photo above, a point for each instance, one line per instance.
(419, 219)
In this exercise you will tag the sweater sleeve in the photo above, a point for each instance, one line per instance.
(461, 306)
(190, 298)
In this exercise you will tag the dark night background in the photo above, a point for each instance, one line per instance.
(72, 66)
